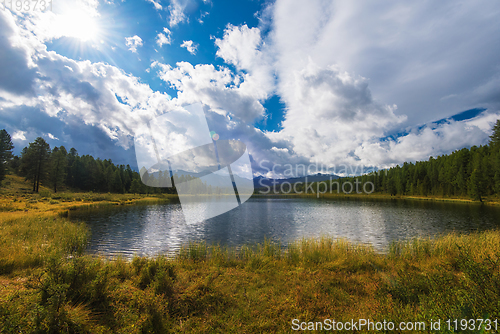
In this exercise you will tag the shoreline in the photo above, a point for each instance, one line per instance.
(378, 196)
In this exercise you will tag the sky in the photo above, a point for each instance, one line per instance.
(335, 83)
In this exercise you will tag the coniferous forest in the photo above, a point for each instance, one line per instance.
(472, 173)
(58, 169)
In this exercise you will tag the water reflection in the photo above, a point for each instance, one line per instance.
(153, 229)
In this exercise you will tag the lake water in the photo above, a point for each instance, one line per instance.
(153, 229)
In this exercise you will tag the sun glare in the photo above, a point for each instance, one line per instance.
(79, 25)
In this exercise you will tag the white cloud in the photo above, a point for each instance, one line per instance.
(244, 48)
(190, 46)
(156, 4)
(342, 68)
(51, 136)
(75, 94)
(202, 15)
(217, 88)
(432, 140)
(240, 46)
(413, 53)
(330, 113)
(177, 15)
(164, 38)
(133, 43)
(19, 135)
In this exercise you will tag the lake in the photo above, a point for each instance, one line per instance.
(147, 230)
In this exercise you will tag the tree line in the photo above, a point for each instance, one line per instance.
(57, 168)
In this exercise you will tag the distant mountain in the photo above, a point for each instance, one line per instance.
(260, 181)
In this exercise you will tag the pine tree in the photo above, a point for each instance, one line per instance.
(136, 187)
(58, 164)
(495, 156)
(6, 148)
(475, 185)
(476, 181)
(495, 136)
(116, 184)
(35, 161)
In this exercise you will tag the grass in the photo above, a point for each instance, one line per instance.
(17, 200)
(27, 242)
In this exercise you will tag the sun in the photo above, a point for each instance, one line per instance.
(80, 25)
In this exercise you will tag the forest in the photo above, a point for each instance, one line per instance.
(59, 169)
(469, 172)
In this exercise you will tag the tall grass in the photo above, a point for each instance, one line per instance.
(449, 245)
(26, 242)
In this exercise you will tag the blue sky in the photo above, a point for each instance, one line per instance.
(330, 82)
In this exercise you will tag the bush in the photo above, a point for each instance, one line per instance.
(44, 193)
(157, 273)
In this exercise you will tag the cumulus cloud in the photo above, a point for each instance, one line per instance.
(413, 54)
(164, 38)
(240, 46)
(330, 113)
(346, 84)
(71, 95)
(190, 46)
(133, 43)
(244, 48)
(217, 88)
